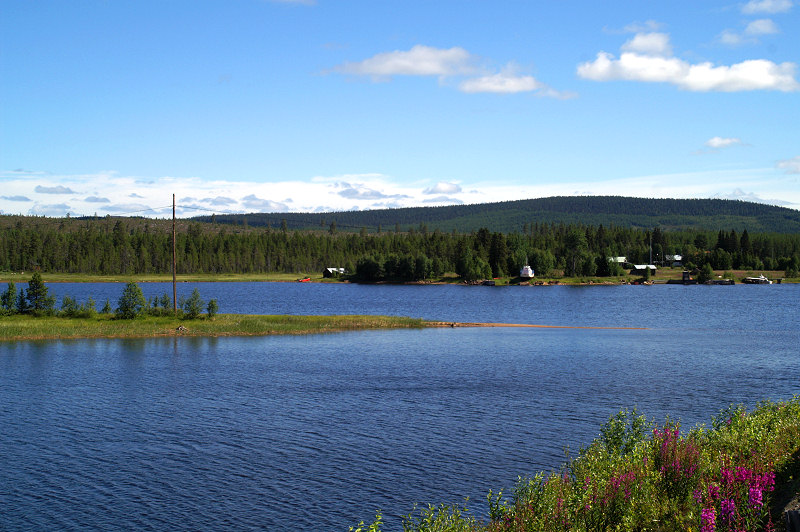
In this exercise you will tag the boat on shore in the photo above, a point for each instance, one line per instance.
(756, 280)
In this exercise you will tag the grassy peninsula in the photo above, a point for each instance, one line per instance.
(23, 327)
(740, 473)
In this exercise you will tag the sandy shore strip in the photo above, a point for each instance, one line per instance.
(528, 325)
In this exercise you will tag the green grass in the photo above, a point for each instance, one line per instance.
(734, 475)
(25, 327)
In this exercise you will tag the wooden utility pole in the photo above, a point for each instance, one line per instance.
(174, 269)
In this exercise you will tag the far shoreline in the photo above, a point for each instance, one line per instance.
(662, 277)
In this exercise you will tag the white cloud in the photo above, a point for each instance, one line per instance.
(649, 44)
(96, 199)
(722, 142)
(255, 203)
(448, 63)
(502, 82)
(361, 192)
(59, 189)
(40, 209)
(419, 61)
(443, 187)
(754, 7)
(642, 27)
(731, 38)
(15, 198)
(762, 26)
(219, 200)
(792, 166)
(756, 74)
(321, 193)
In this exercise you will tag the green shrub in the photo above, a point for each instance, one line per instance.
(40, 303)
(193, 306)
(212, 308)
(8, 299)
(131, 303)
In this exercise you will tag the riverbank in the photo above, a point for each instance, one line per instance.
(19, 327)
(662, 275)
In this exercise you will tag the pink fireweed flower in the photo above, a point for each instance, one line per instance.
(698, 496)
(708, 518)
(728, 508)
(765, 482)
(727, 476)
(713, 491)
(755, 498)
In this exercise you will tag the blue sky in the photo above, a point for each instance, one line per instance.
(320, 105)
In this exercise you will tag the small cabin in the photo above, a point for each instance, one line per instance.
(639, 269)
(673, 260)
(526, 272)
(333, 272)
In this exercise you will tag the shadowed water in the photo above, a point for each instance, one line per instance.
(317, 432)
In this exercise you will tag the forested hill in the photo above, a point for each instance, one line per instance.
(509, 216)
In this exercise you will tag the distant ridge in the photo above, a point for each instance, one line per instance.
(509, 216)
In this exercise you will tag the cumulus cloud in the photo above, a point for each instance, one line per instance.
(754, 7)
(752, 32)
(59, 189)
(361, 192)
(57, 209)
(15, 198)
(135, 195)
(791, 166)
(649, 43)
(502, 82)
(447, 63)
(95, 199)
(219, 200)
(255, 203)
(722, 142)
(443, 187)
(762, 26)
(418, 61)
(660, 67)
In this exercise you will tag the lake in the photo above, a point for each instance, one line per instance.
(317, 432)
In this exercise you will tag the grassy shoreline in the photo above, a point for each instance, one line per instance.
(663, 275)
(22, 327)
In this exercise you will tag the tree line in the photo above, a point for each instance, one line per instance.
(36, 301)
(124, 246)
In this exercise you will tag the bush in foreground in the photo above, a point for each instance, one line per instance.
(639, 476)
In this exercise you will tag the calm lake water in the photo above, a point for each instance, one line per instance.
(317, 432)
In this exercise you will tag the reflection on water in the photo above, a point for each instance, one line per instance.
(316, 432)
